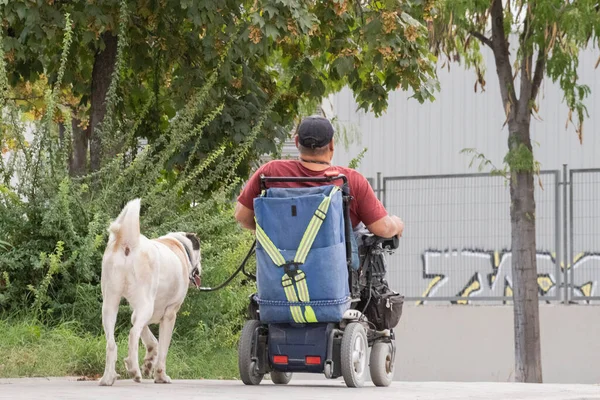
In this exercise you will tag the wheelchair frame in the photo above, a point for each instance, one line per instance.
(254, 360)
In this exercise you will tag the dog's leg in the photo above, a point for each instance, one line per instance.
(139, 319)
(164, 335)
(110, 308)
(151, 350)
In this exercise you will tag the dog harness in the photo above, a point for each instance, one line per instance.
(293, 273)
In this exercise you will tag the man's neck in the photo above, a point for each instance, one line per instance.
(314, 164)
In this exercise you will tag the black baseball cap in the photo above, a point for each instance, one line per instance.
(314, 132)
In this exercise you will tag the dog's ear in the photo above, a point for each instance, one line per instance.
(194, 239)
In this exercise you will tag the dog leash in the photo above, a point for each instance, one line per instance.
(237, 271)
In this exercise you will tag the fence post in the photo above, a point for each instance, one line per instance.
(571, 236)
(379, 186)
(565, 249)
(557, 245)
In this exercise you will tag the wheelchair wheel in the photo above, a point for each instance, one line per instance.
(247, 367)
(281, 378)
(381, 364)
(353, 361)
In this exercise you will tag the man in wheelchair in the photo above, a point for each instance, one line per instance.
(314, 140)
(358, 216)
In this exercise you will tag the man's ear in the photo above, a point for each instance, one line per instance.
(296, 141)
(331, 146)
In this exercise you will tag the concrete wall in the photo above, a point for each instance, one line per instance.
(476, 343)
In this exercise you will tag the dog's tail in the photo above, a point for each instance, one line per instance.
(126, 228)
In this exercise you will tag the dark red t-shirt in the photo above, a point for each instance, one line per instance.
(364, 207)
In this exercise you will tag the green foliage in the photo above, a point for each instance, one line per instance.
(3, 79)
(484, 163)
(355, 162)
(549, 35)
(54, 262)
(57, 229)
(172, 47)
(4, 245)
(519, 157)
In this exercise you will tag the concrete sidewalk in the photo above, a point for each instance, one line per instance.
(70, 388)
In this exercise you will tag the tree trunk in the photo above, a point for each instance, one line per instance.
(104, 64)
(528, 363)
(78, 162)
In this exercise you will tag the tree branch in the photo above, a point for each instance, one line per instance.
(526, 66)
(482, 38)
(540, 66)
(503, 67)
(530, 86)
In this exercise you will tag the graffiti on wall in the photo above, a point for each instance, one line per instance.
(470, 273)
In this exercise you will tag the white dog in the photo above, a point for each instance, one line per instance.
(154, 276)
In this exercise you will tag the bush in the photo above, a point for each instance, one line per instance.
(53, 230)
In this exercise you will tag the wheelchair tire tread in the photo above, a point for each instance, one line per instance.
(245, 353)
(351, 332)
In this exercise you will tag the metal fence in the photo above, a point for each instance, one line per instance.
(457, 242)
(584, 236)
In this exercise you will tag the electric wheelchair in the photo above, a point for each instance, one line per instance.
(322, 301)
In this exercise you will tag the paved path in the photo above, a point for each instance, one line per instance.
(70, 388)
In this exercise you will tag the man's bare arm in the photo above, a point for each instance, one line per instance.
(387, 227)
(245, 216)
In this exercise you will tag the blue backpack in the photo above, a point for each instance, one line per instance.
(302, 269)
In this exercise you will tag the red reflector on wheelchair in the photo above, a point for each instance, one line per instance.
(280, 359)
(312, 360)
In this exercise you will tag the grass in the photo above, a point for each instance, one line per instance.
(70, 341)
(29, 349)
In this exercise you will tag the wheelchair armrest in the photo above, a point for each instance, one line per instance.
(390, 243)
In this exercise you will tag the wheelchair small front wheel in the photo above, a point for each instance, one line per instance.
(281, 378)
(247, 367)
(354, 355)
(381, 364)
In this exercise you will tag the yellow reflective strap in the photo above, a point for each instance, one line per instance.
(309, 314)
(290, 294)
(311, 231)
(297, 314)
(313, 227)
(269, 246)
(300, 279)
(288, 288)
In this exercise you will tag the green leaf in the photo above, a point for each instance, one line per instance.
(307, 81)
(257, 19)
(272, 11)
(88, 37)
(306, 21)
(343, 65)
(373, 28)
(410, 20)
(21, 9)
(271, 31)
